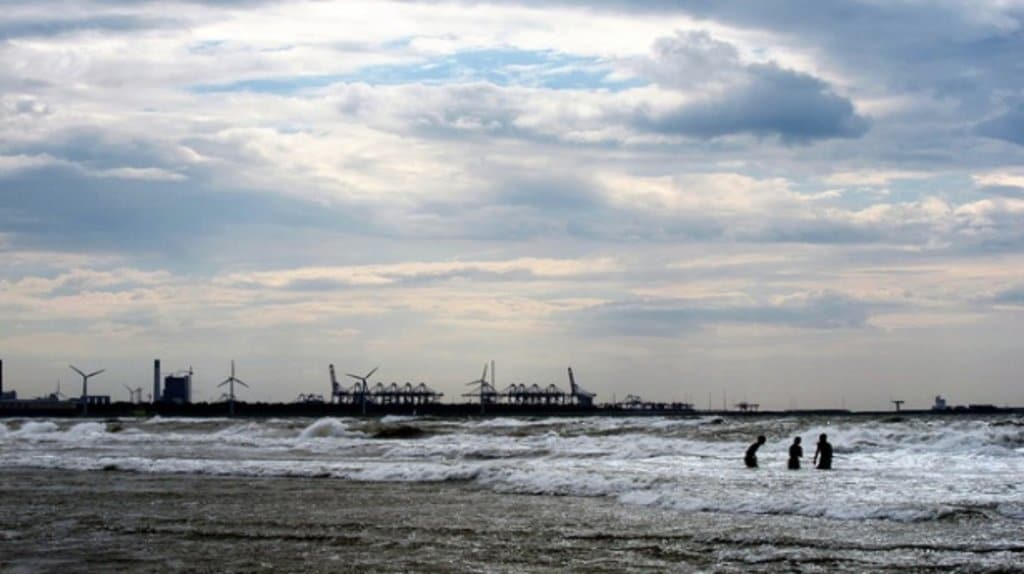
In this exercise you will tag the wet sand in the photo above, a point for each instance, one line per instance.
(61, 521)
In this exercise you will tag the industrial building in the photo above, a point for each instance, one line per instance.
(4, 395)
(178, 388)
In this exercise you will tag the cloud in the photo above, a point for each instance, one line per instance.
(762, 99)
(446, 179)
(1012, 296)
(1007, 126)
(329, 278)
(58, 25)
(56, 207)
(667, 317)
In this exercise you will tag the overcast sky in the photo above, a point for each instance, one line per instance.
(801, 204)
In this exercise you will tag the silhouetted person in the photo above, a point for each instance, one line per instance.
(824, 451)
(750, 459)
(796, 452)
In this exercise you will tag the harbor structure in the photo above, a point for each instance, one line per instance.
(579, 396)
(530, 394)
(394, 393)
(407, 394)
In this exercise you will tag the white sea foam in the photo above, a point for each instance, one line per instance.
(324, 428)
(87, 430)
(904, 470)
(391, 419)
(36, 428)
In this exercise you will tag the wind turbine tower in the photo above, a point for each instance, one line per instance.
(365, 386)
(230, 381)
(134, 395)
(57, 395)
(485, 387)
(85, 386)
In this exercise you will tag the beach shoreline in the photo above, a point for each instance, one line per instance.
(115, 521)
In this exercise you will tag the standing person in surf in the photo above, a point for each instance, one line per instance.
(750, 459)
(796, 452)
(824, 451)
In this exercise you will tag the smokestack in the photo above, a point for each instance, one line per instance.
(156, 380)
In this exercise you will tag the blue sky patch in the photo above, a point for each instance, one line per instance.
(542, 69)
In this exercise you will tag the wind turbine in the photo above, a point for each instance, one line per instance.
(365, 387)
(230, 381)
(134, 395)
(482, 381)
(57, 395)
(85, 386)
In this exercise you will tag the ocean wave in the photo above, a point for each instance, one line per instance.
(914, 470)
(325, 428)
(31, 428)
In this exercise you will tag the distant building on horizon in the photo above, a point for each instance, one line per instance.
(178, 388)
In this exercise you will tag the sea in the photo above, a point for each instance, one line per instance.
(589, 494)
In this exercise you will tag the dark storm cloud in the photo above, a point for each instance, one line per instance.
(794, 106)
(674, 317)
(760, 99)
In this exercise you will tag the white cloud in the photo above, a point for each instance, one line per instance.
(342, 193)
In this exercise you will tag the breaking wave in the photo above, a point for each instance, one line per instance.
(910, 470)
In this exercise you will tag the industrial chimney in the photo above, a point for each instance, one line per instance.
(156, 380)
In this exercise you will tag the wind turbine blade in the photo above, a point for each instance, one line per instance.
(77, 370)
(370, 374)
(226, 381)
(239, 381)
(483, 377)
(93, 374)
(356, 377)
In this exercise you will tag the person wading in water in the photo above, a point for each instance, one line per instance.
(796, 452)
(750, 459)
(824, 451)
